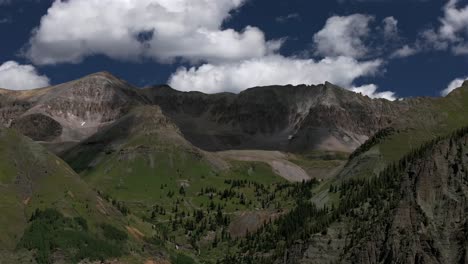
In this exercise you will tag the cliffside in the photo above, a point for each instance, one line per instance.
(292, 118)
(423, 220)
(69, 112)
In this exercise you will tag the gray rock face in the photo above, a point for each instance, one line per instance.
(11, 107)
(429, 224)
(290, 118)
(38, 127)
(80, 108)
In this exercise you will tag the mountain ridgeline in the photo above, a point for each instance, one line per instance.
(97, 169)
(291, 118)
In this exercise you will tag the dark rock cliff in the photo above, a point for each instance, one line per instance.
(292, 118)
(426, 223)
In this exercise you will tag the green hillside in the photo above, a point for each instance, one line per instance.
(206, 206)
(137, 191)
(194, 199)
(47, 208)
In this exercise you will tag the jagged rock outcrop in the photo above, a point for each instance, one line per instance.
(12, 105)
(70, 112)
(292, 118)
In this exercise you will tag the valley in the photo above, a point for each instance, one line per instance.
(294, 174)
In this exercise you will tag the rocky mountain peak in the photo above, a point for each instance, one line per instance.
(78, 108)
(292, 118)
(328, 96)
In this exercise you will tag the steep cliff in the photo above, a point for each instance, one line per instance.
(293, 118)
(69, 112)
(421, 219)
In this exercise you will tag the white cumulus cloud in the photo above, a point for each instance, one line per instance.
(454, 21)
(356, 36)
(271, 70)
(457, 83)
(158, 29)
(14, 76)
(343, 36)
(452, 32)
(371, 91)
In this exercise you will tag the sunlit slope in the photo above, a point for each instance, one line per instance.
(143, 163)
(143, 156)
(32, 181)
(433, 118)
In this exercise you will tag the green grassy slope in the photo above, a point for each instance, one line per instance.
(429, 119)
(143, 165)
(33, 180)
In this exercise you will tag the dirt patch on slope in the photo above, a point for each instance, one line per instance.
(277, 160)
(26, 201)
(101, 207)
(135, 233)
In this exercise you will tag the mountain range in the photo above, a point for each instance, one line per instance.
(98, 170)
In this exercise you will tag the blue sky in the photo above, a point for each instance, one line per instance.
(382, 48)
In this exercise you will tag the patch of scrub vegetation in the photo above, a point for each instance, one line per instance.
(208, 229)
(320, 164)
(112, 233)
(9, 140)
(12, 218)
(50, 231)
(182, 259)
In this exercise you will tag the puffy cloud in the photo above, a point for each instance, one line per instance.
(454, 21)
(452, 32)
(343, 36)
(457, 83)
(371, 91)
(159, 29)
(356, 36)
(271, 70)
(21, 77)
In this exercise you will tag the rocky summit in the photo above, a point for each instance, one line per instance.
(290, 118)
